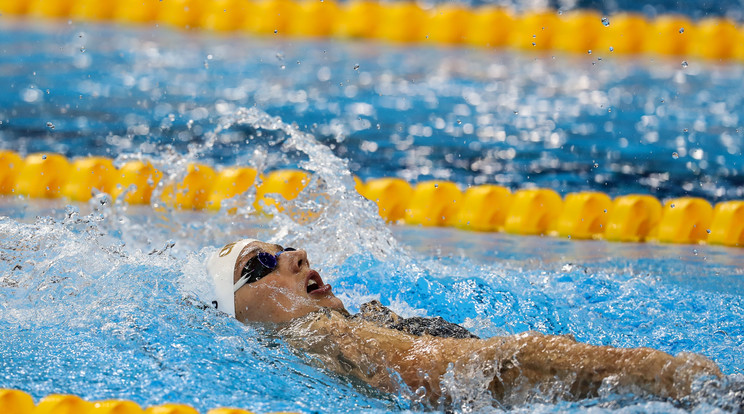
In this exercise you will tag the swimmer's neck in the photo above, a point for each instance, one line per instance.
(271, 326)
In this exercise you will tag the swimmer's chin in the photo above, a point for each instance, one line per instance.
(329, 301)
(337, 305)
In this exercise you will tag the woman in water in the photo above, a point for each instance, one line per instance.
(260, 282)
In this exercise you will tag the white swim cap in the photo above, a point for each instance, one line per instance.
(221, 267)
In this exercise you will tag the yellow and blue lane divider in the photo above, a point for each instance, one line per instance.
(580, 31)
(18, 402)
(488, 208)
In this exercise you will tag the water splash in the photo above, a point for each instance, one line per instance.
(122, 326)
(342, 223)
(103, 302)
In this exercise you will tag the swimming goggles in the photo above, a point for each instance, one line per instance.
(258, 267)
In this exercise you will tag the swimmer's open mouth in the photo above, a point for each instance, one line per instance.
(314, 284)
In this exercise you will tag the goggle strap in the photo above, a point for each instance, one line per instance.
(239, 284)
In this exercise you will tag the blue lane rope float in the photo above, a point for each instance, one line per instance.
(578, 31)
(536, 211)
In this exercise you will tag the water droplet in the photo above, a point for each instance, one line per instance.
(672, 206)
(533, 44)
(43, 157)
(596, 165)
(276, 31)
(436, 185)
(612, 49)
(708, 230)
(681, 29)
(605, 210)
(605, 21)
(589, 51)
(279, 56)
(82, 49)
(459, 122)
(421, 391)
(282, 67)
(684, 64)
(50, 125)
(356, 67)
(675, 155)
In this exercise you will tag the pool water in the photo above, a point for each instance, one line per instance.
(101, 299)
(596, 122)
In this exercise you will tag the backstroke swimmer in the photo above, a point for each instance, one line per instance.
(261, 282)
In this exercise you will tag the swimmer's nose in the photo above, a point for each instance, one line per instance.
(295, 260)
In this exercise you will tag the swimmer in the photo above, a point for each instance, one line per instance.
(261, 282)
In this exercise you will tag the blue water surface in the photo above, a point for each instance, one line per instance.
(597, 122)
(102, 300)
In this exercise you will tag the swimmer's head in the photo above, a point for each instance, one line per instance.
(261, 282)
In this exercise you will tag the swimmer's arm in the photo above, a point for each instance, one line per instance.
(379, 354)
(518, 362)
(530, 359)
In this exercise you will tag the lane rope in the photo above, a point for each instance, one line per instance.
(580, 31)
(19, 402)
(487, 208)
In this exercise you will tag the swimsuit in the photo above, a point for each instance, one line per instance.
(380, 315)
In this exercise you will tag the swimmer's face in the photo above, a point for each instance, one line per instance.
(292, 290)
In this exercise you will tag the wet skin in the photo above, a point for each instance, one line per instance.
(283, 294)
(513, 367)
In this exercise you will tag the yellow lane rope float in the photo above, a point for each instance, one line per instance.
(18, 402)
(488, 208)
(581, 31)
